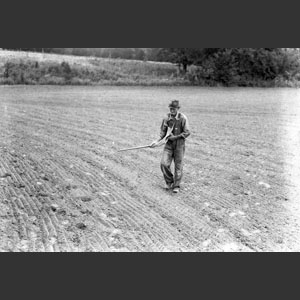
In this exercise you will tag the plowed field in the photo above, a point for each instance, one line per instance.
(65, 187)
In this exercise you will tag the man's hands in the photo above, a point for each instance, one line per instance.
(159, 142)
(172, 137)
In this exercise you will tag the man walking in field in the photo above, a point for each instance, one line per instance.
(178, 124)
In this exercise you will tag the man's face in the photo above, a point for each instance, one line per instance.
(173, 111)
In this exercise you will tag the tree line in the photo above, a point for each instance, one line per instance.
(207, 66)
(225, 65)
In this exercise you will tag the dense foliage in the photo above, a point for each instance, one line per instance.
(235, 66)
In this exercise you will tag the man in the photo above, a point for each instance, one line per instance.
(175, 147)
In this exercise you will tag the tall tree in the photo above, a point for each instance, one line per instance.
(183, 57)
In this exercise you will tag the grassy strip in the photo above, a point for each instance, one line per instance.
(91, 72)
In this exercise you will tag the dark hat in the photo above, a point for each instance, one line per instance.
(174, 104)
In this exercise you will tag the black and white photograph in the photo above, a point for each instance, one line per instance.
(149, 150)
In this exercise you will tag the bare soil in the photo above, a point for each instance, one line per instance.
(65, 187)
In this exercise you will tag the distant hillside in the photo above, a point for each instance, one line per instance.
(18, 67)
(143, 54)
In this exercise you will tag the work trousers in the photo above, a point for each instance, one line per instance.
(173, 151)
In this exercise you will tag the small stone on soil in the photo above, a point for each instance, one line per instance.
(266, 185)
(54, 207)
(61, 211)
(41, 194)
(279, 241)
(81, 226)
(5, 175)
(19, 185)
(245, 232)
(206, 243)
(230, 247)
(86, 199)
(44, 177)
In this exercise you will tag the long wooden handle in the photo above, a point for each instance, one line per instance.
(135, 148)
(161, 142)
